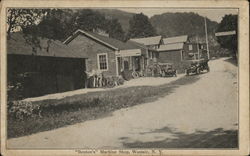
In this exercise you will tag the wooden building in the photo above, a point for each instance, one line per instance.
(178, 50)
(107, 55)
(62, 66)
(52, 67)
(151, 44)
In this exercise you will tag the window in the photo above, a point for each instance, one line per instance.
(102, 61)
(190, 47)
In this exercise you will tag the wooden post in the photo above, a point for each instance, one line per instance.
(208, 55)
(86, 73)
(116, 65)
(197, 48)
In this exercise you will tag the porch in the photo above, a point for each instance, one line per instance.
(130, 60)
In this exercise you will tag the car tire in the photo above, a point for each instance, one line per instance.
(198, 71)
(175, 74)
(208, 69)
(135, 75)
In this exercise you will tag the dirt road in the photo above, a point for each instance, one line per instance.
(192, 114)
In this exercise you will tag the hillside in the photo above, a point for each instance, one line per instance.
(173, 24)
(167, 24)
(122, 16)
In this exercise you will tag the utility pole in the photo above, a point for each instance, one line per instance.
(198, 47)
(208, 55)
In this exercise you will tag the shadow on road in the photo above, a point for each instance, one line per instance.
(217, 138)
(232, 60)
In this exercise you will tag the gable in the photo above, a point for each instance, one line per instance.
(86, 45)
(109, 42)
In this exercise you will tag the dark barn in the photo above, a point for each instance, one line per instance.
(51, 68)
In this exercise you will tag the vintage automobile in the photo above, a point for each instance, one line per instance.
(167, 70)
(197, 66)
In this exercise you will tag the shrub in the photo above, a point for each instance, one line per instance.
(23, 109)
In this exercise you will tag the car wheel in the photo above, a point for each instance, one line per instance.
(208, 70)
(175, 73)
(135, 75)
(198, 71)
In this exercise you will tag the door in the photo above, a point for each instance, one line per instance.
(126, 65)
(137, 65)
(119, 65)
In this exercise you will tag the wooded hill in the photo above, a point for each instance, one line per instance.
(174, 24)
(167, 24)
(122, 16)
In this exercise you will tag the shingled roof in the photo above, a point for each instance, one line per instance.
(177, 39)
(107, 41)
(169, 47)
(155, 40)
(18, 45)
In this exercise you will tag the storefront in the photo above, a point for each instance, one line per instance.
(131, 59)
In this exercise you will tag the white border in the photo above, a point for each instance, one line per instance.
(243, 66)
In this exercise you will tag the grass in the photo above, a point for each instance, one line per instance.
(89, 106)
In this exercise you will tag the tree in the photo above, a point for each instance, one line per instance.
(228, 23)
(140, 26)
(115, 30)
(89, 20)
(57, 24)
(18, 19)
(22, 19)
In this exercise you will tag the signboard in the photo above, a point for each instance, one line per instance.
(226, 33)
(130, 52)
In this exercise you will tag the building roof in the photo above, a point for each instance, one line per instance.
(169, 47)
(116, 43)
(155, 40)
(18, 45)
(177, 39)
(137, 44)
(225, 33)
(105, 40)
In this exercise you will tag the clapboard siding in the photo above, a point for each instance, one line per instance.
(92, 48)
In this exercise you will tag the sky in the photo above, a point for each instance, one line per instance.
(212, 14)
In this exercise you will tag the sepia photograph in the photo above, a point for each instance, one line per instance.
(122, 78)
